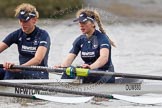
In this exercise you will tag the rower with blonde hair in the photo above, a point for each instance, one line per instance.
(33, 45)
(94, 45)
(97, 19)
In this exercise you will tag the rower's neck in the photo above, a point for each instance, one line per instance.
(90, 33)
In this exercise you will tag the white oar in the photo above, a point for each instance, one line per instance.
(75, 100)
(139, 99)
(71, 100)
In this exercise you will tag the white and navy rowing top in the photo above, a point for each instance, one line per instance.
(90, 48)
(28, 43)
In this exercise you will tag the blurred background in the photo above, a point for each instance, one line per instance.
(125, 10)
(46, 8)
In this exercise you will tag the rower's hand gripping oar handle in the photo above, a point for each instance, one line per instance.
(1, 66)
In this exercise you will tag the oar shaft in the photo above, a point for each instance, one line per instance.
(87, 72)
(125, 75)
(17, 95)
(38, 68)
(52, 89)
(84, 72)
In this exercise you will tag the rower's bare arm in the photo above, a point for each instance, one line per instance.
(68, 60)
(39, 56)
(3, 46)
(102, 60)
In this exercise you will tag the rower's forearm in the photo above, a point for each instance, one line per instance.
(68, 61)
(101, 61)
(33, 61)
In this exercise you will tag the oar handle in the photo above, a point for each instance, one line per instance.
(39, 68)
(1, 65)
(36, 68)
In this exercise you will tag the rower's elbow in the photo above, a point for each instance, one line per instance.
(39, 62)
(104, 60)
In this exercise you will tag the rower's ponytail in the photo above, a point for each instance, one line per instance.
(95, 14)
(100, 25)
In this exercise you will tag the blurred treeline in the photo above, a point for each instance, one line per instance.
(46, 8)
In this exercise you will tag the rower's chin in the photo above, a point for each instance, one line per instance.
(25, 30)
(83, 31)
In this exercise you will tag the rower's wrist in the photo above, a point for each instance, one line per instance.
(90, 67)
